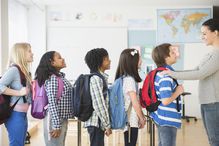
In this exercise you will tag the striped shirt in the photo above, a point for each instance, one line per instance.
(58, 109)
(166, 115)
(100, 104)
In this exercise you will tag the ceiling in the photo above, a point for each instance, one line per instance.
(123, 2)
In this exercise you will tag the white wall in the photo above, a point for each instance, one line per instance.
(18, 27)
(37, 33)
(149, 3)
(4, 33)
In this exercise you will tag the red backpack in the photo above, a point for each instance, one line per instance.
(148, 96)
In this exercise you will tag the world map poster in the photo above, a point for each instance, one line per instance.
(181, 25)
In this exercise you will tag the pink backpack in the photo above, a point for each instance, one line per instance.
(39, 103)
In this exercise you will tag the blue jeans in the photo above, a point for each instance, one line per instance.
(210, 116)
(166, 135)
(49, 141)
(16, 126)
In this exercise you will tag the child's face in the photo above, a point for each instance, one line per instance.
(29, 55)
(139, 62)
(172, 58)
(105, 64)
(58, 62)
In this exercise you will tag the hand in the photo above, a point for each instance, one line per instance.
(179, 89)
(55, 133)
(24, 91)
(142, 122)
(166, 72)
(108, 132)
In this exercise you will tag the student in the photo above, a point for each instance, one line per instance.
(168, 115)
(128, 66)
(99, 123)
(10, 84)
(207, 72)
(59, 111)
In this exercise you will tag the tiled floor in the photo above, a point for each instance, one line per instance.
(191, 134)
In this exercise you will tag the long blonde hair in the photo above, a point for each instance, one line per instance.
(17, 56)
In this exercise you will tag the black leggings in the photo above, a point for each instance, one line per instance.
(133, 137)
(96, 136)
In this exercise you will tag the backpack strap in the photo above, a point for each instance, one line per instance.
(60, 87)
(177, 99)
(105, 86)
(23, 81)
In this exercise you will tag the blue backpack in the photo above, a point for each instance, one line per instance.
(118, 115)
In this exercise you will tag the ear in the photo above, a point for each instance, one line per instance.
(52, 62)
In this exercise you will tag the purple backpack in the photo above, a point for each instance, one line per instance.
(39, 103)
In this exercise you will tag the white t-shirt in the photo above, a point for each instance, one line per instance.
(129, 84)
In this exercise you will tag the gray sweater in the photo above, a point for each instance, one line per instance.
(12, 79)
(207, 72)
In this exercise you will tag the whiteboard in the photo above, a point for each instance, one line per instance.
(73, 43)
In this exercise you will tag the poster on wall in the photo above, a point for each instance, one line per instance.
(140, 24)
(86, 17)
(181, 25)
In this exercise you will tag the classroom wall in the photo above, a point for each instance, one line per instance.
(4, 33)
(37, 33)
(18, 25)
(0, 38)
(156, 3)
(74, 39)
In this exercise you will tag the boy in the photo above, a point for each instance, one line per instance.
(99, 123)
(168, 116)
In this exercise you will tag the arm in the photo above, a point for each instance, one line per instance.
(51, 91)
(179, 91)
(13, 92)
(137, 107)
(98, 101)
(11, 75)
(207, 67)
(166, 92)
(129, 86)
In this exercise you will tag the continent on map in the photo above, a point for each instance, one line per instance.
(169, 19)
(192, 20)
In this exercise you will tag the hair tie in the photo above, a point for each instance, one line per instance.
(134, 52)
